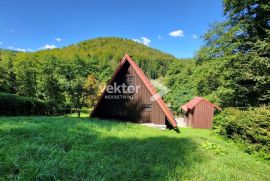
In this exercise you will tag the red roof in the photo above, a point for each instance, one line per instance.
(195, 101)
(148, 85)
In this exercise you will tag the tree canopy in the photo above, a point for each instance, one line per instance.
(233, 66)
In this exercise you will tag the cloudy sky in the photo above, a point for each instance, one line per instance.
(173, 26)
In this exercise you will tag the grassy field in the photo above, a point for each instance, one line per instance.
(61, 148)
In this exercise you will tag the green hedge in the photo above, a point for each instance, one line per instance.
(251, 127)
(14, 105)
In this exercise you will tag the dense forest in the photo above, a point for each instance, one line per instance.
(233, 67)
(73, 76)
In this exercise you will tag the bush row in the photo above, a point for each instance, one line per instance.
(14, 105)
(251, 127)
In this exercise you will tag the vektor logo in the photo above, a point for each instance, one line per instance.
(163, 90)
(122, 89)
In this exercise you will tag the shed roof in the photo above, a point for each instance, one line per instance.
(147, 84)
(195, 101)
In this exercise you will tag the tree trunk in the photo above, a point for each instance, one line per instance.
(79, 113)
(80, 106)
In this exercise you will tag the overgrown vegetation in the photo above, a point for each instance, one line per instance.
(11, 104)
(50, 148)
(250, 127)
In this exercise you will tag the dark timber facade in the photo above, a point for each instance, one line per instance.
(140, 104)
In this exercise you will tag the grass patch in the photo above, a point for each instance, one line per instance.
(63, 148)
(85, 112)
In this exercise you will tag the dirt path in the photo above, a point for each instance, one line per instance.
(181, 122)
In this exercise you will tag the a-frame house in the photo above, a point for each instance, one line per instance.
(129, 96)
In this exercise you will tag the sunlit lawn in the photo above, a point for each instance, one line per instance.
(75, 115)
(85, 112)
(62, 148)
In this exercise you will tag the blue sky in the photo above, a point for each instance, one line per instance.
(172, 26)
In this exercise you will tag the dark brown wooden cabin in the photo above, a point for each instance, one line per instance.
(142, 106)
(199, 113)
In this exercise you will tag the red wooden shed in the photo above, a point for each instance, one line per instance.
(199, 112)
(129, 96)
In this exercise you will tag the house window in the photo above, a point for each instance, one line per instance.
(147, 107)
(128, 80)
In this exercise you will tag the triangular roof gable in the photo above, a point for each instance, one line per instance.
(147, 84)
(195, 101)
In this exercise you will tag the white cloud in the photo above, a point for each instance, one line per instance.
(194, 36)
(20, 49)
(58, 39)
(47, 46)
(159, 37)
(16, 49)
(30, 50)
(1, 43)
(137, 40)
(177, 33)
(143, 40)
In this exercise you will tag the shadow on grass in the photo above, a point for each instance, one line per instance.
(87, 153)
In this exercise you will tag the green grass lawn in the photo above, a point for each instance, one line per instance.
(62, 148)
(85, 112)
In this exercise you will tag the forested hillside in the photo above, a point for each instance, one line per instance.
(71, 77)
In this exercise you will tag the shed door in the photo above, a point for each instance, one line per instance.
(190, 118)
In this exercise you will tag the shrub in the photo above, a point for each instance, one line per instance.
(251, 127)
(14, 105)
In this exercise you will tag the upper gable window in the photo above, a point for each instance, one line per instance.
(128, 80)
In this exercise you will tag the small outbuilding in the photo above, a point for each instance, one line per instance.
(199, 113)
(129, 96)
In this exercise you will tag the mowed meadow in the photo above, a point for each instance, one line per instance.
(66, 148)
